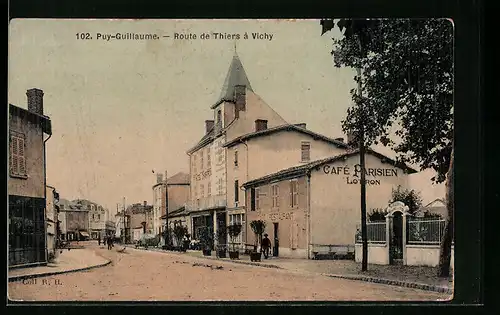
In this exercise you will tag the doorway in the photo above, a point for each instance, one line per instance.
(276, 240)
(396, 241)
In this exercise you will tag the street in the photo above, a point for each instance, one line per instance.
(138, 275)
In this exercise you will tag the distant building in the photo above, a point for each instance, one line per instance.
(177, 194)
(110, 228)
(141, 215)
(28, 129)
(122, 226)
(437, 206)
(76, 220)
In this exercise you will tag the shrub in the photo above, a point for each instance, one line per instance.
(234, 230)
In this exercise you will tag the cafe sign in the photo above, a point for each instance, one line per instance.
(353, 175)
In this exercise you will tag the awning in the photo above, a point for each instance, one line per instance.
(85, 234)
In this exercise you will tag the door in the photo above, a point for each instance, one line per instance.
(396, 241)
(276, 240)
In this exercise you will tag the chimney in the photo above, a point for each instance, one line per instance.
(159, 178)
(35, 100)
(145, 203)
(260, 124)
(340, 139)
(166, 176)
(209, 124)
(239, 99)
(301, 125)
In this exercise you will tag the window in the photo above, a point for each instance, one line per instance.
(294, 193)
(202, 190)
(236, 192)
(17, 154)
(305, 150)
(236, 158)
(275, 195)
(201, 159)
(98, 217)
(252, 199)
(219, 186)
(257, 198)
(209, 159)
(194, 164)
(209, 189)
(219, 118)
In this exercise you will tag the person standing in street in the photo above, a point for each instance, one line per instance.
(266, 245)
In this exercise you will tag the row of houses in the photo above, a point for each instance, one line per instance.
(251, 164)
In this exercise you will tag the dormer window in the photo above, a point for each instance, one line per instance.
(219, 118)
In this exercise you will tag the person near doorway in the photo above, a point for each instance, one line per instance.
(266, 245)
(99, 240)
(110, 243)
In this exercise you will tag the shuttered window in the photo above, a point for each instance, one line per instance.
(275, 195)
(305, 151)
(294, 193)
(236, 192)
(252, 199)
(17, 155)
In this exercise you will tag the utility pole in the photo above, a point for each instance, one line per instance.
(124, 229)
(362, 149)
(167, 236)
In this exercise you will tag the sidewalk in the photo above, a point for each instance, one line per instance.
(67, 261)
(406, 276)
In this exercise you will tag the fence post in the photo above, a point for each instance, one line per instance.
(405, 227)
(388, 237)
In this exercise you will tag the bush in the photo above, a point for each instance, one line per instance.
(377, 215)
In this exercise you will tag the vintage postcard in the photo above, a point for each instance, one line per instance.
(230, 160)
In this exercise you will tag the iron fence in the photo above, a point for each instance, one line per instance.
(425, 231)
(375, 231)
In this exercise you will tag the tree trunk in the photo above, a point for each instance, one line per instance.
(445, 250)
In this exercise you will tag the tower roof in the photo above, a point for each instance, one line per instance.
(235, 76)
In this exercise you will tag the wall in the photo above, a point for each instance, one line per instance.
(34, 184)
(335, 198)
(51, 219)
(292, 222)
(270, 154)
(378, 254)
(425, 255)
(282, 150)
(255, 109)
(178, 195)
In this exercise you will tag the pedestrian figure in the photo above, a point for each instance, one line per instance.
(266, 244)
(99, 240)
(110, 243)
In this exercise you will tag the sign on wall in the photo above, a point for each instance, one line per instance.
(353, 175)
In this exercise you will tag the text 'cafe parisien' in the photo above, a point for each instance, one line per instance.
(317, 205)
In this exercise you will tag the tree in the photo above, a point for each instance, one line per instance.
(410, 198)
(234, 230)
(258, 227)
(408, 86)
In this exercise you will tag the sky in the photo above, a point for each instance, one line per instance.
(123, 109)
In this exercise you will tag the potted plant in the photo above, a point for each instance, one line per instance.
(234, 230)
(206, 240)
(258, 227)
(221, 248)
(180, 231)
